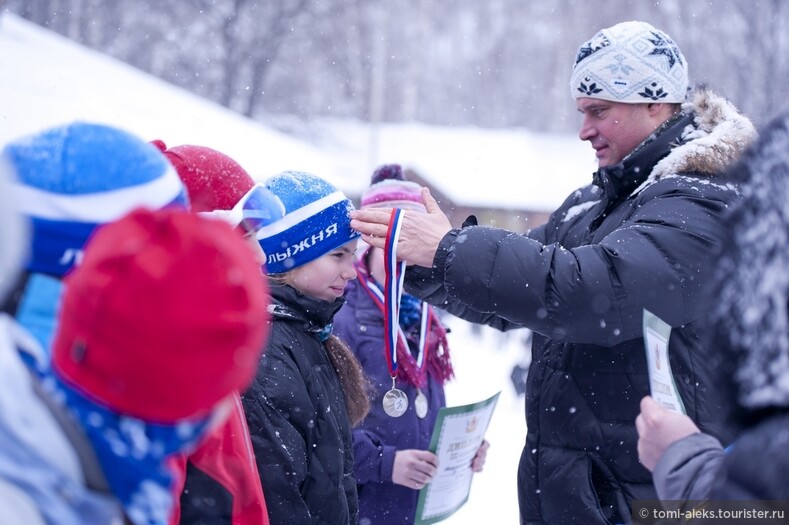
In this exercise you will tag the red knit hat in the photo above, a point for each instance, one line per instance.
(213, 180)
(165, 316)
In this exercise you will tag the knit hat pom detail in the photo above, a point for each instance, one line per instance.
(387, 172)
(390, 189)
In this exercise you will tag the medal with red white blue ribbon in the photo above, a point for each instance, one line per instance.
(395, 401)
(419, 366)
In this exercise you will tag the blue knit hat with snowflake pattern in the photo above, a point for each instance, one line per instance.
(631, 62)
(317, 220)
(74, 178)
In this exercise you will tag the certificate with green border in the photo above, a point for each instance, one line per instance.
(458, 433)
(662, 386)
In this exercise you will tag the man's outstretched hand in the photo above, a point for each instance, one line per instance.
(420, 233)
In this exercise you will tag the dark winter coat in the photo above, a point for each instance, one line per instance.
(298, 420)
(643, 236)
(757, 468)
(361, 325)
(751, 324)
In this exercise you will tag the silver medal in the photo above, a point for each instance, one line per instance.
(420, 404)
(395, 402)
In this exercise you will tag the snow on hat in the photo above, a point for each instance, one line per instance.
(213, 180)
(165, 316)
(74, 178)
(390, 189)
(317, 220)
(13, 232)
(631, 62)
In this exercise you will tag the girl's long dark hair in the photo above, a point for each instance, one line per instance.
(355, 385)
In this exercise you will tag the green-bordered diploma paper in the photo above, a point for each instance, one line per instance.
(661, 381)
(458, 433)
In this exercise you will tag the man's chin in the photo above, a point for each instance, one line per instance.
(604, 163)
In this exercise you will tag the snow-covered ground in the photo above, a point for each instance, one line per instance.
(483, 359)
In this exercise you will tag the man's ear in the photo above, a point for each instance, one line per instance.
(658, 109)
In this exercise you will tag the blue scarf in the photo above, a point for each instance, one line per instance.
(134, 454)
(410, 311)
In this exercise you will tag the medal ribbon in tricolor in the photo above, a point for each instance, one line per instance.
(393, 289)
(377, 297)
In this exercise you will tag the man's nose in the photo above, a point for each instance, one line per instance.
(587, 131)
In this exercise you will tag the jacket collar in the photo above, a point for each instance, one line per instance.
(289, 304)
(619, 181)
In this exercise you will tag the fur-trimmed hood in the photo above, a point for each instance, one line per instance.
(717, 138)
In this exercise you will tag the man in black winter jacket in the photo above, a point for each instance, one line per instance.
(641, 236)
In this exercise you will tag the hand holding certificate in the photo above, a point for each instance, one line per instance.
(457, 436)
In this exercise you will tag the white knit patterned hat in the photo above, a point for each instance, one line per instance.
(631, 62)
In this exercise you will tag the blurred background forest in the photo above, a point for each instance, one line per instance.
(487, 63)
